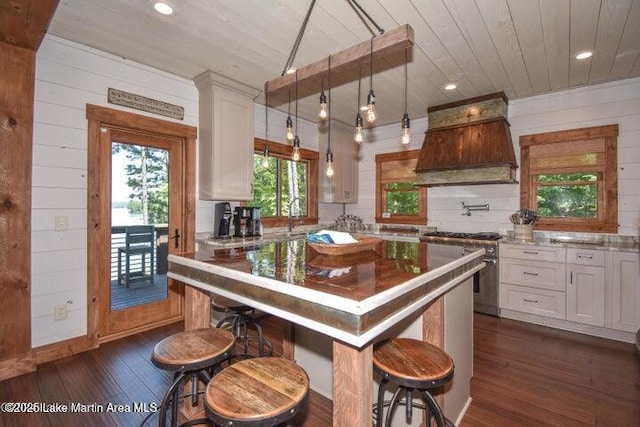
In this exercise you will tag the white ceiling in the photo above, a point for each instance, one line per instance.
(521, 47)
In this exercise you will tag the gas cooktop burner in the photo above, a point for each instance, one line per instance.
(484, 235)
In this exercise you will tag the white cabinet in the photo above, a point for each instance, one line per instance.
(532, 280)
(343, 186)
(623, 302)
(225, 140)
(585, 286)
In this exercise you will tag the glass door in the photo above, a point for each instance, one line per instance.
(145, 215)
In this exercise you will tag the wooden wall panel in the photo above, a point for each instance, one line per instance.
(16, 132)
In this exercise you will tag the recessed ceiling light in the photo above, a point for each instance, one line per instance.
(451, 86)
(163, 7)
(584, 54)
(364, 108)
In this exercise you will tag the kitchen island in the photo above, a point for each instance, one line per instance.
(353, 298)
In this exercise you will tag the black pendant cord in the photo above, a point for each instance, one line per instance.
(329, 108)
(355, 3)
(289, 107)
(405, 80)
(359, 81)
(296, 44)
(266, 111)
(296, 132)
(371, 66)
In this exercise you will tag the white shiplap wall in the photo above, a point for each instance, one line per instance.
(609, 103)
(68, 76)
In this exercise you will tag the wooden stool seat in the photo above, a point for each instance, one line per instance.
(413, 363)
(225, 304)
(192, 350)
(240, 319)
(262, 391)
(192, 356)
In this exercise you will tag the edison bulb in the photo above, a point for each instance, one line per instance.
(329, 169)
(371, 113)
(295, 156)
(406, 138)
(323, 111)
(358, 136)
(265, 162)
(289, 129)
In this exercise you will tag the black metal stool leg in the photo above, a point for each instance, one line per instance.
(380, 407)
(392, 404)
(433, 407)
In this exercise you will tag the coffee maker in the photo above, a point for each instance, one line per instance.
(246, 221)
(222, 220)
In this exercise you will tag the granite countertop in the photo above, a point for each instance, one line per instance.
(609, 242)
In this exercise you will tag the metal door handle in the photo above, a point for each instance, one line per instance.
(586, 256)
(530, 252)
(176, 236)
(571, 278)
(529, 274)
(535, 301)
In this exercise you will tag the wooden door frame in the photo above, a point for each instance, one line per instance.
(98, 203)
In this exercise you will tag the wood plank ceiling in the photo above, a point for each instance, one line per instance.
(521, 47)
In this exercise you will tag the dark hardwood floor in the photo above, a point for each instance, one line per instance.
(529, 375)
(525, 375)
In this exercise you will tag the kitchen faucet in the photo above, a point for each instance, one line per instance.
(290, 218)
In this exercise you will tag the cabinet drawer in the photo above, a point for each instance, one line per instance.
(531, 300)
(533, 252)
(585, 257)
(543, 275)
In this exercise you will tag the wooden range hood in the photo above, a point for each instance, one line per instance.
(467, 143)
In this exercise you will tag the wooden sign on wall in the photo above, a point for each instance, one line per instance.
(139, 102)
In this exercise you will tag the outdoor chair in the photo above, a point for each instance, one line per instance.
(139, 240)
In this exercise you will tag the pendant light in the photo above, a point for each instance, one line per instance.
(295, 154)
(265, 150)
(329, 170)
(406, 138)
(371, 98)
(289, 121)
(323, 104)
(357, 135)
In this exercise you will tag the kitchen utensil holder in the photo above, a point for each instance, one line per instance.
(523, 231)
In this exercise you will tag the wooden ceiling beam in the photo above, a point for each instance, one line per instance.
(386, 44)
(24, 23)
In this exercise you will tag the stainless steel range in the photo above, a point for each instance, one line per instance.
(485, 282)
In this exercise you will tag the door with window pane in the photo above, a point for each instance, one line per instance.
(145, 216)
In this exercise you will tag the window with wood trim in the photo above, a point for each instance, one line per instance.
(280, 183)
(570, 178)
(398, 200)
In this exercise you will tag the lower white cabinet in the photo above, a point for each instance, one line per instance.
(585, 294)
(597, 289)
(623, 294)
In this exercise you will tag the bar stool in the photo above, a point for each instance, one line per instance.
(412, 365)
(193, 355)
(257, 392)
(240, 320)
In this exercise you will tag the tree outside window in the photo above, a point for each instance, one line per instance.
(570, 179)
(279, 183)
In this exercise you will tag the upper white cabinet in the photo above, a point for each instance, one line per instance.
(623, 302)
(225, 139)
(343, 186)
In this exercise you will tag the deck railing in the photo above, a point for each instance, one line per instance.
(118, 241)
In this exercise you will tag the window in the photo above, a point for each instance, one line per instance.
(398, 201)
(570, 178)
(281, 181)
